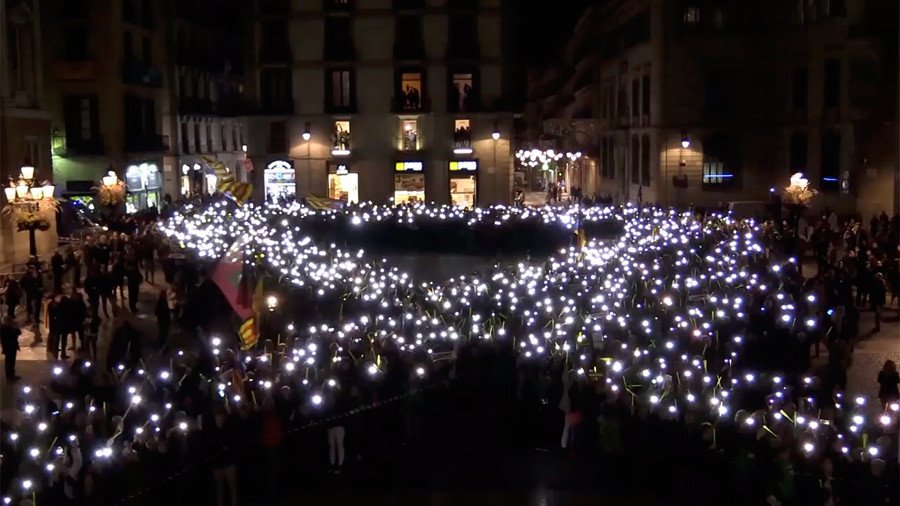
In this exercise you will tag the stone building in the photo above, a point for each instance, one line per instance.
(24, 116)
(382, 99)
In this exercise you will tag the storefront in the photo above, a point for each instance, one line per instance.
(280, 181)
(409, 183)
(463, 183)
(342, 183)
(143, 182)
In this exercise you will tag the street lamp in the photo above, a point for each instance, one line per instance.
(685, 140)
(306, 133)
(111, 192)
(28, 202)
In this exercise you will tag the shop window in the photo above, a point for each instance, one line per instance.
(340, 138)
(410, 92)
(410, 135)
(799, 147)
(463, 183)
(832, 91)
(343, 183)
(720, 170)
(340, 90)
(645, 160)
(462, 136)
(831, 160)
(409, 182)
(463, 93)
(280, 181)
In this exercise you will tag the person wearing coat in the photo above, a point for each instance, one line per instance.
(9, 343)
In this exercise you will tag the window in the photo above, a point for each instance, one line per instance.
(410, 135)
(275, 90)
(645, 95)
(462, 134)
(127, 46)
(197, 147)
(209, 138)
(719, 97)
(834, 8)
(410, 94)
(635, 98)
(832, 82)
(635, 160)
(801, 88)
(340, 138)
(408, 41)
(340, 89)
(604, 158)
(719, 163)
(86, 120)
(645, 160)
(339, 44)
(691, 15)
(235, 140)
(185, 137)
(32, 150)
(463, 97)
(798, 155)
(274, 44)
(147, 51)
(76, 44)
(224, 132)
(277, 137)
(462, 36)
(831, 159)
(81, 120)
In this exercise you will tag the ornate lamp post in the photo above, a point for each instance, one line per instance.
(30, 203)
(111, 192)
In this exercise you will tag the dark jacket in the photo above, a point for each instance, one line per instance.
(9, 339)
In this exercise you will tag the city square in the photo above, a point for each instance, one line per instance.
(408, 252)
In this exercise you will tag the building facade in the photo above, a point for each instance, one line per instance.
(105, 64)
(24, 118)
(381, 99)
(205, 85)
(711, 102)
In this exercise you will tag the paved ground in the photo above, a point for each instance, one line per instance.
(32, 362)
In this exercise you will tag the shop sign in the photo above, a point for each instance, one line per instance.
(464, 166)
(408, 167)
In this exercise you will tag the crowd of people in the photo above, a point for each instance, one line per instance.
(549, 351)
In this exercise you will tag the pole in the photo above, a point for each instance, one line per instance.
(308, 170)
(32, 243)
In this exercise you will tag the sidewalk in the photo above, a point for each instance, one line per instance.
(33, 365)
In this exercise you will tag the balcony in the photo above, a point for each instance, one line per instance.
(82, 147)
(144, 143)
(193, 105)
(140, 74)
(271, 55)
(75, 70)
(462, 141)
(399, 105)
(285, 107)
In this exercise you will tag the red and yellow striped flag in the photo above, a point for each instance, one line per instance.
(249, 331)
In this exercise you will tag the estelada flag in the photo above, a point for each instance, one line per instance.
(227, 276)
(249, 330)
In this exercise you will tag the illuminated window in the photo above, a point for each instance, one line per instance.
(462, 93)
(340, 138)
(692, 15)
(410, 94)
(462, 135)
(410, 135)
(340, 89)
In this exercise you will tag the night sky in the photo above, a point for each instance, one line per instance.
(543, 30)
